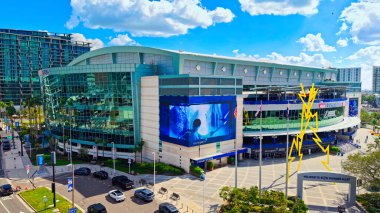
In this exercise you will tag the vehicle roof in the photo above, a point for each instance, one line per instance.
(145, 190)
(98, 206)
(5, 186)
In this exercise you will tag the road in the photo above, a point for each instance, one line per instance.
(12, 203)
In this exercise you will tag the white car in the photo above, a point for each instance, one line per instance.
(117, 195)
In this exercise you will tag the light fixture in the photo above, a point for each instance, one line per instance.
(224, 69)
(307, 74)
(280, 72)
(198, 67)
(319, 75)
(295, 73)
(265, 72)
(245, 70)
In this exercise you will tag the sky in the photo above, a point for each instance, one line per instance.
(319, 33)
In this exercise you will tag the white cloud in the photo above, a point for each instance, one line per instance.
(160, 18)
(122, 40)
(280, 7)
(342, 28)
(342, 42)
(362, 19)
(303, 59)
(315, 43)
(366, 58)
(95, 43)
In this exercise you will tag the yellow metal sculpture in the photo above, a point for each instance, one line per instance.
(307, 117)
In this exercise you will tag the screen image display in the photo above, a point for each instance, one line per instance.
(353, 107)
(197, 120)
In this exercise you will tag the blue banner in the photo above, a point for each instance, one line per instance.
(73, 210)
(17, 124)
(69, 184)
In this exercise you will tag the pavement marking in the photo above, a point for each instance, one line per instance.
(5, 207)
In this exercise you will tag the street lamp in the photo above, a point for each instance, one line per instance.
(154, 170)
(113, 156)
(202, 177)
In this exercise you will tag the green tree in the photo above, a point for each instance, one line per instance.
(10, 109)
(364, 116)
(83, 153)
(365, 167)
(374, 123)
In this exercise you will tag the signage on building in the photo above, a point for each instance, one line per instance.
(329, 114)
(323, 105)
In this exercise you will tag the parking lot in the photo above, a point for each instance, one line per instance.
(90, 190)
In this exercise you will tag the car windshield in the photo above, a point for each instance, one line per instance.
(118, 193)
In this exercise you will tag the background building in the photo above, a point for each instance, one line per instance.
(352, 74)
(376, 79)
(188, 108)
(23, 53)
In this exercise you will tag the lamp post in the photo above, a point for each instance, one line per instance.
(113, 156)
(154, 170)
(72, 168)
(202, 177)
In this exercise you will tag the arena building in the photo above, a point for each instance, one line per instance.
(188, 108)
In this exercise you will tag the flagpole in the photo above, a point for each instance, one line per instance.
(287, 152)
(261, 148)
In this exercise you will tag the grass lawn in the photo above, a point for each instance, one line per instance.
(145, 168)
(35, 199)
(61, 160)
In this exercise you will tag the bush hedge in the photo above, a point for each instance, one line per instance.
(196, 170)
(370, 201)
(210, 165)
(334, 149)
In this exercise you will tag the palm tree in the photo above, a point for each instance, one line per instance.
(139, 148)
(3, 105)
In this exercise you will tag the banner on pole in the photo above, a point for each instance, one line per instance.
(69, 184)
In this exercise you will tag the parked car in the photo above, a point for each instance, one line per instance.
(144, 194)
(102, 175)
(6, 190)
(117, 195)
(96, 208)
(6, 145)
(167, 208)
(82, 171)
(123, 182)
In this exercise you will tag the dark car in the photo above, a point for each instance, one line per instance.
(82, 171)
(96, 208)
(6, 145)
(167, 208)
(6, 190)
(102, 175)
(144, 194)
(123, 182)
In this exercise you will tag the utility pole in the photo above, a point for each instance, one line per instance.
(72, 167)
(236, 161)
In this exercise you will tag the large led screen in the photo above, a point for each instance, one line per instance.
(190, 121)
(353, 107)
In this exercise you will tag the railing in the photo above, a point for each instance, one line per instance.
(283, 145)
(292, 101)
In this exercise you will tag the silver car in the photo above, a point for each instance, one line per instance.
(144, 194)
(117, 195)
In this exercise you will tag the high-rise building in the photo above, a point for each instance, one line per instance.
(376, 79)
(24, 52)
(349, 75)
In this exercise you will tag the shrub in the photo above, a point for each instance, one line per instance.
(196, 170)
(370, 201)
(231, 160)
(334, 149)
(210, 165)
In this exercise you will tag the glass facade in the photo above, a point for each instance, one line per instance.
(23, 53)
(94, 105)
(275, 120)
